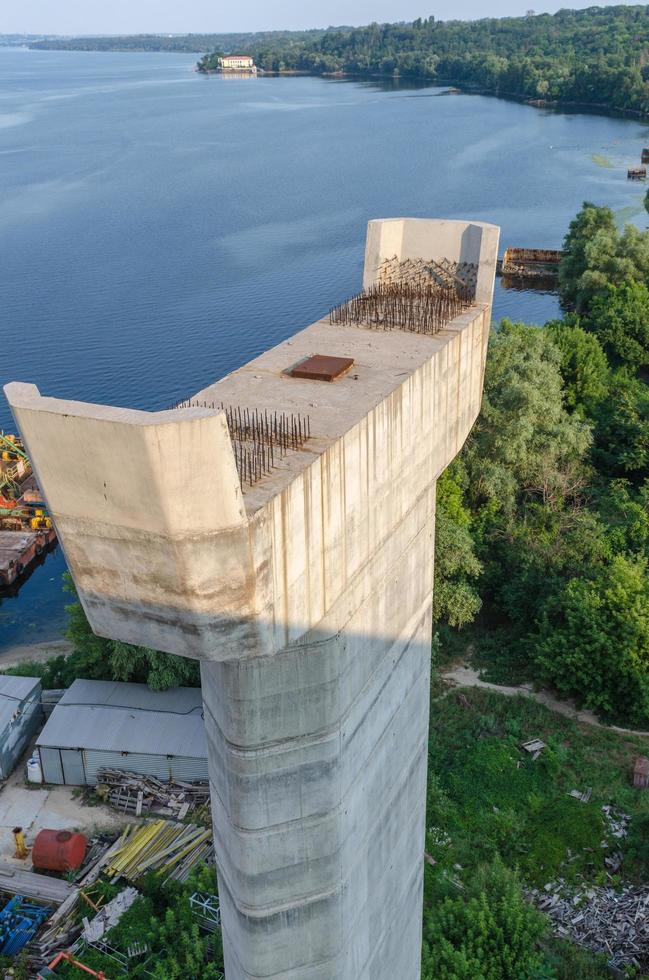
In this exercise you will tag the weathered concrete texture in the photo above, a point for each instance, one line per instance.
(307, 598)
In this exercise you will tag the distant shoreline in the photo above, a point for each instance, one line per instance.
(597, 108)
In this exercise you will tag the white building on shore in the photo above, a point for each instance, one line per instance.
(237, 62)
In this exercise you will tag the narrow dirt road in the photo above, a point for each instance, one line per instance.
(468, 677)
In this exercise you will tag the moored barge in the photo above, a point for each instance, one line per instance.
(26, 531)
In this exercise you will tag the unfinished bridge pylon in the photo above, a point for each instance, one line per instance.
(279, 527)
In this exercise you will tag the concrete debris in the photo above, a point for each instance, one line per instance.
(618, 822)
(109, 916)
(137, 794)
(170, 849)
(534, 747)
(601, 919)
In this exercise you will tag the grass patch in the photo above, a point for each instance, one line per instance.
(487, 798)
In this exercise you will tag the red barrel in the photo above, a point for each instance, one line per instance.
(59, 850)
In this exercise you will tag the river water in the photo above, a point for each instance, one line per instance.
(159, 228)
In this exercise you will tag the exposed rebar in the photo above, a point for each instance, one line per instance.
(406, 306)
(259, 439)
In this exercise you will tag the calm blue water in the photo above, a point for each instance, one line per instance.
(158, 228)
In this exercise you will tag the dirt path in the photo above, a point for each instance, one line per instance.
(468, 677)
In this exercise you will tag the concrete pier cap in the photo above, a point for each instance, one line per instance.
(305, 592)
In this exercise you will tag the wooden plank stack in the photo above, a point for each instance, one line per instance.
(133, 793)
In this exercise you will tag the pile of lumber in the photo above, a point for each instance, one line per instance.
(15, 880)
(170, 849)
(137, 794)
(605, 920)
(60, 933)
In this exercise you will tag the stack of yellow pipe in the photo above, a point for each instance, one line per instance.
(162, 846)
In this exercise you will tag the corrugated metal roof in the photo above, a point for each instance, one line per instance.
(109, 715)
(12, 688)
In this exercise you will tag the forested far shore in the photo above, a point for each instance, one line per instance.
(181, 43)
(595, 57)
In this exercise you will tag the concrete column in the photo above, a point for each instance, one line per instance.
(318, 771)
(307, 598)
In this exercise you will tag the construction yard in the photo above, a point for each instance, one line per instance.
(138, 871)
(35, 807)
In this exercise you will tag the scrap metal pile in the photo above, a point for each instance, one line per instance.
(417, 296)
(601, 919)
(170, 849)
(137, 794)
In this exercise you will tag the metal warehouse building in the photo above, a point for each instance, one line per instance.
(124, 726)
(20, 715)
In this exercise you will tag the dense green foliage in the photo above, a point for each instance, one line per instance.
(594, 56)
(491, 807)
(486, 931)
(593, 641)
(545, 515)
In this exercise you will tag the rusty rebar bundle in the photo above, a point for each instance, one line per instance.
(260, 439)
(405, 306)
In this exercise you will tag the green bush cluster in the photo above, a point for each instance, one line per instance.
(543, 520)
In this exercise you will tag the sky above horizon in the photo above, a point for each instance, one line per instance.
(205, 16)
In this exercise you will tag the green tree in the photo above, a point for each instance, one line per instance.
(621, 447)
(488, 932)
(584, 367)
(597, 257)
(620, 319)
(594, 640)
(455, 599)
(525, 445)
(591, 225)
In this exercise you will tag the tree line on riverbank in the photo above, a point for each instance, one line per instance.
(543, 519)
(596, 56)
(177, 43)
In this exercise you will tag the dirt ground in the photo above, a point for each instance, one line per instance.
(37, 808)
(11, 656)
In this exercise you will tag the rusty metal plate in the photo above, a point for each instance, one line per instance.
(321, 367)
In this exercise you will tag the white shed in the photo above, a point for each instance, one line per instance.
(124, 726)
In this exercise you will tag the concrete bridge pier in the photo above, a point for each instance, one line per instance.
(305, 593)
